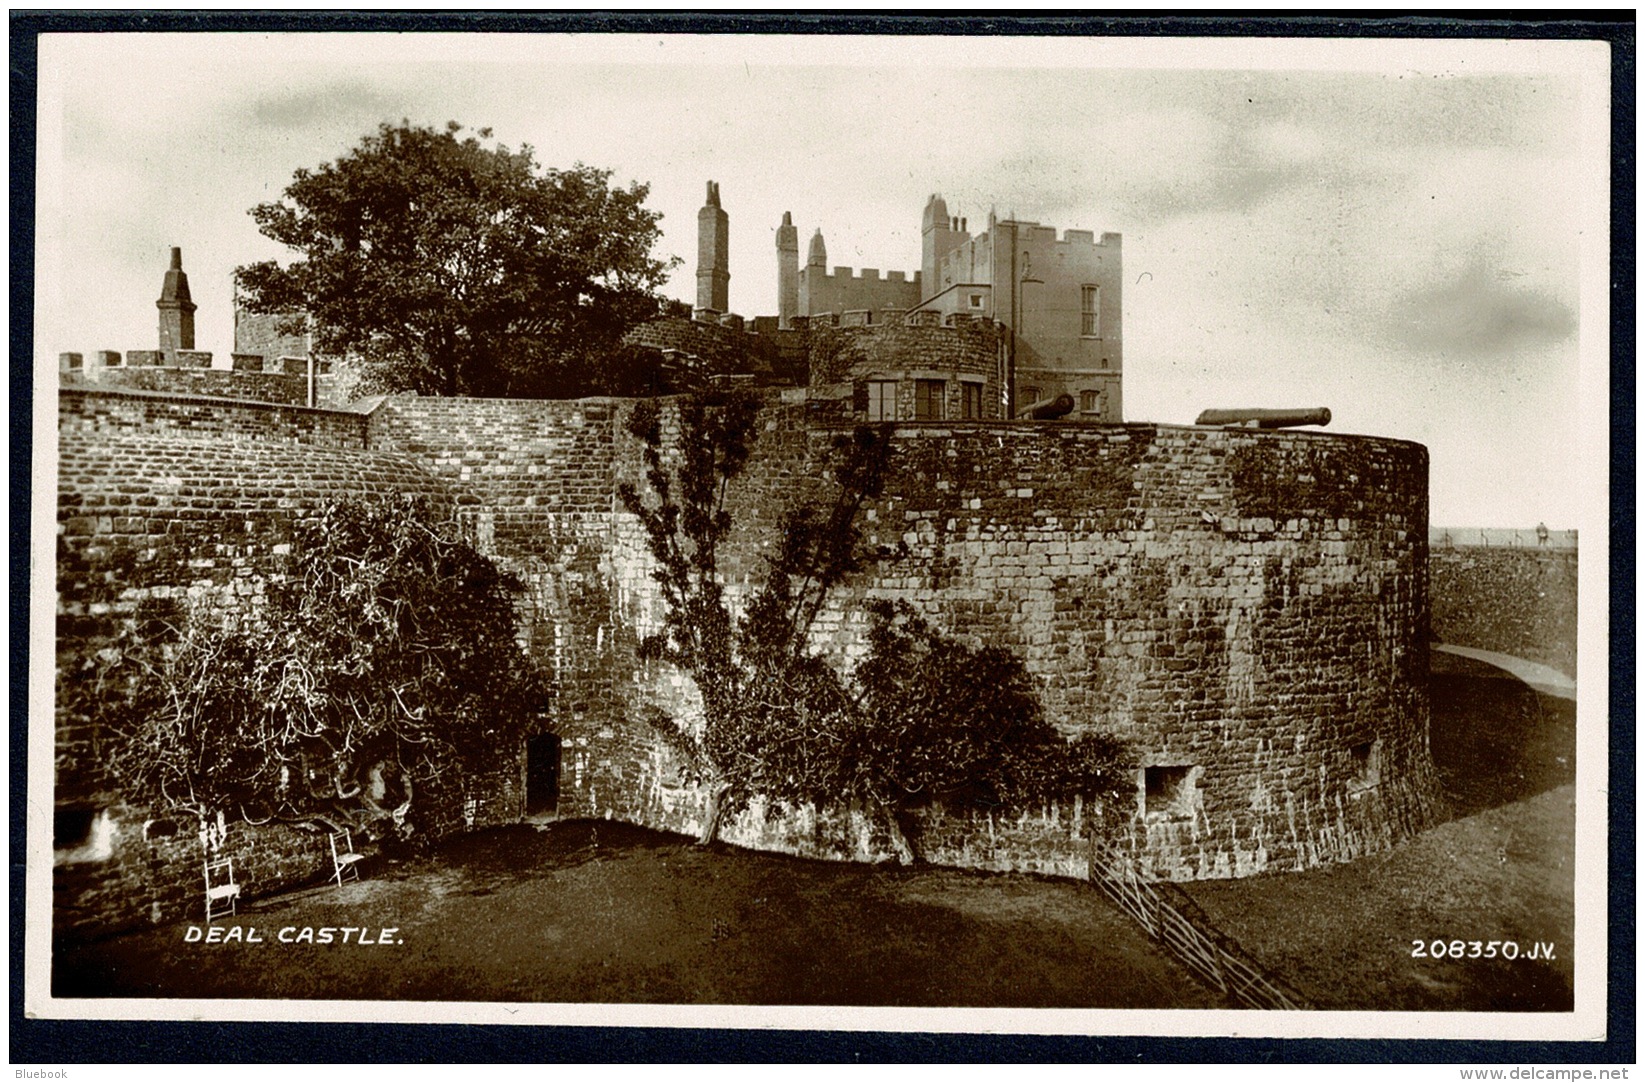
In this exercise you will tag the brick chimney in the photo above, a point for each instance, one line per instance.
(176, 309)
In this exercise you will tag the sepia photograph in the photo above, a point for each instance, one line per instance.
(1052, 535)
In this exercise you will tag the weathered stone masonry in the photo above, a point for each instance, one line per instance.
(1518, 601)
(1270, 671)
(1247, 610)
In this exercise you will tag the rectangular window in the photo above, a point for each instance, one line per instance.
(976, 300)
(1168, 791)
(1090, 402)
(1367, 758)
(928, 396)
(971, 401)
(1090, 300)
(882, 400)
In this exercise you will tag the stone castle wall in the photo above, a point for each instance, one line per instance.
(848, 289)
(1512, 600)
(252, 378)
(1246, 609)
(86, 409)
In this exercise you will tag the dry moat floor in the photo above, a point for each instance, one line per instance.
(585, 911)
(603, 912)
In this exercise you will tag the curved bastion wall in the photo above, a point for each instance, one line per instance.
(902, 351)
(1246, 610)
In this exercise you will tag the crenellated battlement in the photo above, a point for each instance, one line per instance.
(1036, 234)
(285, 381)
(866, 274)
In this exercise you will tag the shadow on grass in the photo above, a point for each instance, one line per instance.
(582, 911)
(1495, 740)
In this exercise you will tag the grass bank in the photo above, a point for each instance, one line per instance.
(604, 912)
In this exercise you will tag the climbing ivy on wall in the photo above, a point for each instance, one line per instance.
(923, 718)
(382, 670)
(763, 692)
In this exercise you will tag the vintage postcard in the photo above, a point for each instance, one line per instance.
(1043, 535)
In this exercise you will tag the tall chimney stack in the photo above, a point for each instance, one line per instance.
(176, 310)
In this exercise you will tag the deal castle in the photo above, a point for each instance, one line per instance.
(1246, 609)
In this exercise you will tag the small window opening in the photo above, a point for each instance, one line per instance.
(1168, 790)
(1367, 759)
(71, 827)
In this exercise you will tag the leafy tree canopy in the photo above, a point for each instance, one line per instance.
(382, 672)
(451, 267)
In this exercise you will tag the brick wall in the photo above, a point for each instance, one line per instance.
(151, 880)
(1247, 610)
(1245, 607)
(274, 387)
(1518, 601)
(166, 503)
(537, 490)
(87, 410)
(149, 516)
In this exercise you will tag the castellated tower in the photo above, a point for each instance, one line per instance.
(713, 254)
(788, 271)
(176, 308)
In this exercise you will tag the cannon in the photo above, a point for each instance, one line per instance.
(1048, 409)
(1265, 419)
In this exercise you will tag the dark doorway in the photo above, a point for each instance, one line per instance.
(542, 774)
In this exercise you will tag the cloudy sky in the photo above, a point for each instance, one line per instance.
(1408, 233)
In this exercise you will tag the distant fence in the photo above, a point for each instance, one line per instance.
(1205, 951)
(1453, 537)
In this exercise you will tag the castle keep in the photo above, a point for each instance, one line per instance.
(1054, 304)
(1247, 610)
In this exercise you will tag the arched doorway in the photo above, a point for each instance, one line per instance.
(542, 774)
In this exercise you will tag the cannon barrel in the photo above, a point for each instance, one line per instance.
(1048, 409)
(1265, 419)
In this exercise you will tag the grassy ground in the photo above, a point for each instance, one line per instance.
(604, 912)
(1502, 870)
(586, 912)
(1341, 935)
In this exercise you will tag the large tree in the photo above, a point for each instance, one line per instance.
(452, 267)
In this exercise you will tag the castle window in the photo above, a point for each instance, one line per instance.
(1367, 759)
(882, 400)
(976, 300)
(1168, 790)
(1090, 300)
(1090, 402)
(971, 401)
(928, 396)
(71, 827)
